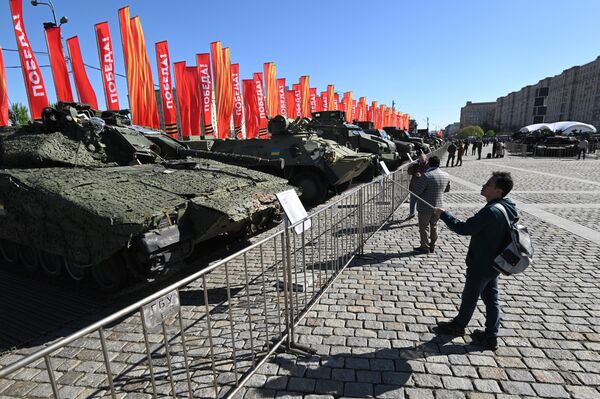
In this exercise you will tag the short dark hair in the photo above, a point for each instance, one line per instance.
(503, 181)
(434, 161)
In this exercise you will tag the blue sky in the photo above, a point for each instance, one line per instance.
(430, 57)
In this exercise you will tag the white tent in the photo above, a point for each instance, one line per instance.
(565, 127)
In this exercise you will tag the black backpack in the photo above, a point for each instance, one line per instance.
(518, 254)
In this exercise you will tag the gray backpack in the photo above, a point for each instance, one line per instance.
(519, 253)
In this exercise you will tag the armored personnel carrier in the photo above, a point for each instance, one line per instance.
(85, 192)
(401, 135)
(310, 162)
(405, 149)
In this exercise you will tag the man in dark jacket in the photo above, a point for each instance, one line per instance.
(451, 154)
(489, 233)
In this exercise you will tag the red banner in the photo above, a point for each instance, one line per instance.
(325, 100)
(305, 96)
(203, 65)
(163, 62)
(107, 65)
(260, 99)
(3, 93)
(193, 83)
(272, 91)
(313, 100)
(221, 63)
(291, 100)
(32, 75)
(297, 100)
(85, 91)
(238, 104)
(373, 113)
(250, 108)
(283, 108)
(183, 99)
(331, 106)
(353, 110)
(347, 101)
(142, 98)
(58, 64)
(319, 104)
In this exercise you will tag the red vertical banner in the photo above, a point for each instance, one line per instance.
(331, 106)
(291, 100)
(193, 83)
(283, 103)
(3, 93)
(373, 115)
(297, 100)
(271, 88)
(260, 100)
(238, 104)
(336, 102)
(325, 100)
(313, 100)
(319, 104)
(381, 115)
(85, 91)
(221, 63)
(203, 65)
(163, 62)
(305, 96)
(251, 112)
(32, 75)
(183, 99)
(406, 122)
(348, 106)
(354, 107)
(107, 65)
(58, 64)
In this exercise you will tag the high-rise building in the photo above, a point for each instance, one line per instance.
(477, 113)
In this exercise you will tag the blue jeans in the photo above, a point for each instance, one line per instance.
(487, 288)
(413, 204)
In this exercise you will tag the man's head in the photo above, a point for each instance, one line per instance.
(497, 186)
(423, 159)
(434, 161)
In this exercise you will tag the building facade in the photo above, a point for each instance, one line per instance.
(477, 113)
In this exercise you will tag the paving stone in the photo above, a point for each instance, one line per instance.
(418, 393)
(457, 383)
(550, 390)
(487, 386)
(358, 389)
(517, 388)
(580, 392)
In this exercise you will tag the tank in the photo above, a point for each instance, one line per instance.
(401, 135)
(331, 125)
(312, 163)
(405, 150)
(86, 193)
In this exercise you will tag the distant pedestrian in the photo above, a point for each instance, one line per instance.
(430, 187)
(582, 147)
(500, 149)
(479, 148)
(466, 147)
(474, 147)
(451, 154)
(490, 234)
(415, 170)
(494, 147)
(459, 154)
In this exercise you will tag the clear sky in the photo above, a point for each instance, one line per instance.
(430, 57)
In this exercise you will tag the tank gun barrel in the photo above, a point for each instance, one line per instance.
(234, 159)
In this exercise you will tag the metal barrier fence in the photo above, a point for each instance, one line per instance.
(205, 335)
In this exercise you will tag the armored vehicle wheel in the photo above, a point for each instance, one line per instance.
(75, 271)
(29, 257)
(110, 275)
(9, 251)
(51, 264)
(313, 187)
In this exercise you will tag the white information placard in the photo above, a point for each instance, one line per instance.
(294, 210)
(385, 168)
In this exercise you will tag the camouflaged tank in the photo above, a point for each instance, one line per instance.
(87, 193)
(313, 164)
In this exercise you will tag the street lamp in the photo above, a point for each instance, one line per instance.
(63, 19)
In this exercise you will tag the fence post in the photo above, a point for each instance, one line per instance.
(361, 224)
(287, 282)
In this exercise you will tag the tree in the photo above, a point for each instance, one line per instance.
(18, 114)
(490, 133)
(469, 131)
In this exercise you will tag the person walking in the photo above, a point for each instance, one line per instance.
(479, 148)
(582, 147)
(474, 145)
(466, 147)
(451, 153)
(490, 234)
(431, 187)
(459, 154)
(494, 147)
(415, 170)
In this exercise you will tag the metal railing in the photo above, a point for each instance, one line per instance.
(205, 335)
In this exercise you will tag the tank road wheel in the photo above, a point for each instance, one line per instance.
(111, 274)
(51, 264)
(313, 187)
(75, 271)
(9, 251)
(29, 257)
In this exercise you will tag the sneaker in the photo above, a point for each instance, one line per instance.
(449, 328)
(431, 249)
(421, 250)
(480, 338)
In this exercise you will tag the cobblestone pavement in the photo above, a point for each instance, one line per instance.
(370, 332)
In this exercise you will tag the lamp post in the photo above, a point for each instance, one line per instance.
(63, 19)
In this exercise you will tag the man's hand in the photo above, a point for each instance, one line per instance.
(438, 211)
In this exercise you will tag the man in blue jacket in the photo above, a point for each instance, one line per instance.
(489, 233)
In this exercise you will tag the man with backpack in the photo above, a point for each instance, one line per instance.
(490, 235)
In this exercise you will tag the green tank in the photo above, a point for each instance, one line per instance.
(87, 193)
(312, 163)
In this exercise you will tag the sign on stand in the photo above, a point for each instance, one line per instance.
(385, 168)
(294, 210)
(160, 310)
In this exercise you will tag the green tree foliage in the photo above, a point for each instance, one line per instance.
(18, 114)
(469, 131)
(490, 133)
